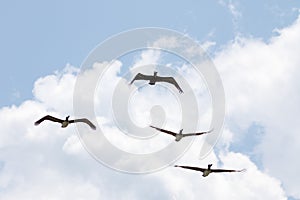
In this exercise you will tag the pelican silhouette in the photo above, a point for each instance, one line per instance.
(179, 136)
(208, 170)
(66, 122)
(153, 79)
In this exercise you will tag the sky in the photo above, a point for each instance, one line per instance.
(252, 44)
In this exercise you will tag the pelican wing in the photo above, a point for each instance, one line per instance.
(191, 168)
(170, 80)
(163, 130)
(200, 133)
(140, 76)
(48, 117)
(84, 120)
(227, 170)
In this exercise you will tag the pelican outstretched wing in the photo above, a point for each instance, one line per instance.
(200, 133)
(84, 120)
(140, 76)
(191, 168)
(48, 117)
(227, 170)
(163, 130)
(170, 80)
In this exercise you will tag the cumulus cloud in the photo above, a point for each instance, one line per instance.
(47, 162)
(261, 82)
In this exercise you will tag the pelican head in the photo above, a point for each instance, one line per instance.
(209, 166)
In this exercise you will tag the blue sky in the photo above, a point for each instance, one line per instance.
(40, 37)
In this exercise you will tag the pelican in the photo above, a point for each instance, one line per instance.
(153, 79)
(66, 122)
(179, 136)
(207, 171)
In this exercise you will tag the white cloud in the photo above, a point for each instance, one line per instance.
(207, 45)
(61, 86)
(232, 7)
(47, 162)
(261, 82)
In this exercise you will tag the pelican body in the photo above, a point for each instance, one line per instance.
(179, 136)
(207, 171)
(65, 123)
(153, 79)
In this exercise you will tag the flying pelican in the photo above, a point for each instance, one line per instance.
(153, 79)
(179, 136)
(207, 171)
(66, 122)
